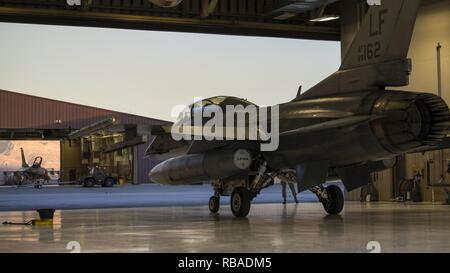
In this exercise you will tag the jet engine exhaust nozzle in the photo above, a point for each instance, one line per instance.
(413, 121)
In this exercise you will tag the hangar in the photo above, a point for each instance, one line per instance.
(121, 151)
(336, 20)
(424, 176)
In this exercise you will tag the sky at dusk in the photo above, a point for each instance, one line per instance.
(148, 72)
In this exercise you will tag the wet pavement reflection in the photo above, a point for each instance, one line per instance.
(269, 228)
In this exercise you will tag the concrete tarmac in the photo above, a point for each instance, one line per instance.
(128, 196)
(392, 227)
(269, 228)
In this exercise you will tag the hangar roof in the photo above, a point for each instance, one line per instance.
(273, 18)
(269, 18)
(21, 111)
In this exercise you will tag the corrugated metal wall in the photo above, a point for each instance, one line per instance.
(20, 111)
(144, 165)
(25, 111)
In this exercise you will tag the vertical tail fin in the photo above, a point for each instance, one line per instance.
(385, 34)
(24, 162)
(377, 57)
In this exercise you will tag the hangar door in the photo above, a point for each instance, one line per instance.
(11, 160)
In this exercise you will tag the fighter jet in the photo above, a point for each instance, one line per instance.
(350, 124)
(34, 173)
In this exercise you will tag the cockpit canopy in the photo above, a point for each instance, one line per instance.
(203, 110)
(220, 101)
(37, 162)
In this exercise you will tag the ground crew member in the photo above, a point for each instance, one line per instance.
(293, 191)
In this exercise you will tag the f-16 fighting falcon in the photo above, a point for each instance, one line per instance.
(349, 125)
(34, 174)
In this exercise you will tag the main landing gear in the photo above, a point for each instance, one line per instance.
(240, 202)
(331, 198)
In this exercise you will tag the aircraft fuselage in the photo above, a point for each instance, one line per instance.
(398, 122)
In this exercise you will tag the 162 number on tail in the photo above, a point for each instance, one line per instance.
(369, 51)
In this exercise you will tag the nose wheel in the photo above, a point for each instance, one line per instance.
(214, 204)
(331, 198)
(239, 202)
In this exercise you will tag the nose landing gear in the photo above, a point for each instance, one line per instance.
(240, 202)
(331, 198)
(214, 204)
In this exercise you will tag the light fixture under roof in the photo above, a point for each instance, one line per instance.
(325, 18)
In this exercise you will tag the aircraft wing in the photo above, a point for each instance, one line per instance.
(15, 173)
(54, 172)
(162, 145)
(160, 129)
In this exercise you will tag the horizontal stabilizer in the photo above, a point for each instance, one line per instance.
(355, 177)
(311, 174)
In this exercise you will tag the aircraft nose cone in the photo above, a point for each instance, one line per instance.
(157, 174)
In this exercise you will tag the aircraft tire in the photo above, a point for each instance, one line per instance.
(214, 204)
(335, 202)
(240, 202)
(89, 182)
(108, 183)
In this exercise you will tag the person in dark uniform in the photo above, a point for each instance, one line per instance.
(293, 191)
